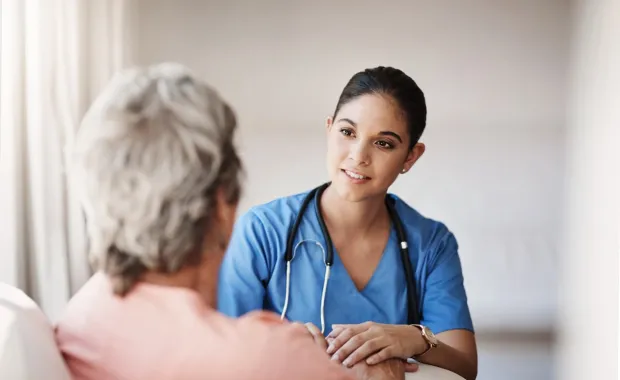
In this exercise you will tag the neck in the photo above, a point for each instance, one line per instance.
(201, 278)
(352, 217)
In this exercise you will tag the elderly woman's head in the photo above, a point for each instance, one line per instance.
(156, 172)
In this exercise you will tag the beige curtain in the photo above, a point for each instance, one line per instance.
(55, 56)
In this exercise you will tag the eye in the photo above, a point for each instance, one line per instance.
(346, 132)
(385, 144)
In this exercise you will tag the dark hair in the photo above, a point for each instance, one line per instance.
(396, 84)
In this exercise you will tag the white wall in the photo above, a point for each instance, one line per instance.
(588, 344)
(494, 76)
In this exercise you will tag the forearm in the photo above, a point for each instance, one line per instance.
(454, 350)
(447, 357)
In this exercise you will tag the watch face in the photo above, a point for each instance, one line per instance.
(429, 334)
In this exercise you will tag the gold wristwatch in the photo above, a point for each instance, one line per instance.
(429, 337)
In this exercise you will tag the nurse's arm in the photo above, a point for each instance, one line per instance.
(456, 352)
(244, 268)
(446, 312)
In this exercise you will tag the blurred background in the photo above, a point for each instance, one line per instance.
(521, 164)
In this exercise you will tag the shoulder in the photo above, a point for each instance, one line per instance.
(275, 209)
(432, 236)
(415, 221)
(92, 305)
(274, 214)
(262, 231)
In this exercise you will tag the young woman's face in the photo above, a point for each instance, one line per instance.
(368, 147)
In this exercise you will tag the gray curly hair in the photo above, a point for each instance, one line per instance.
(146, 163)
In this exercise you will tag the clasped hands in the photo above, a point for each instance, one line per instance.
(372, 350)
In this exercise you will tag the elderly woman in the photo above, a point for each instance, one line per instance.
(158, 177)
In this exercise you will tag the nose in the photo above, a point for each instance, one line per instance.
(359, 153)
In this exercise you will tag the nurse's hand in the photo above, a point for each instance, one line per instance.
(373, 342)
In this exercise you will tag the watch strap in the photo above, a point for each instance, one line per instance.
(429, 344)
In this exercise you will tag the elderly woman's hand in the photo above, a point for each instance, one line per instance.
(373, 342)
(391, 369)
(316, 334)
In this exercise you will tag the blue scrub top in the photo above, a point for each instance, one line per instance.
(253, 272)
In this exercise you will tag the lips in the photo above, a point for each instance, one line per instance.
(355, 175)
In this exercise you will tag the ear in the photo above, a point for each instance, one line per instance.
(328, 123)
(414, 154)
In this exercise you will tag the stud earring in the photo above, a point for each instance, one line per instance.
(403, 171)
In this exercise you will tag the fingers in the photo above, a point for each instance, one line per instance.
(411, 367)
(380, 356)
(342, 333)
(362, 352)
(358, 328)
(313, 329)
(347, 325)
(365, 343)
(335, 332)
(329, 340)
(317, 335)
(384, 353)
(342, 338)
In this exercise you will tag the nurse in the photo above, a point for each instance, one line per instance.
(360, 301)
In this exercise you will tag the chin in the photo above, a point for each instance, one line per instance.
(353, 193)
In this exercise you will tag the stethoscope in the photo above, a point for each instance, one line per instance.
(413, 316)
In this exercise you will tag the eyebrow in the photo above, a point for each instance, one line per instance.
(393, 134)
(382, 133)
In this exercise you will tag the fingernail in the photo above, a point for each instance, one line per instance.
(330, 349)
(346, 363)
(335, 357)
